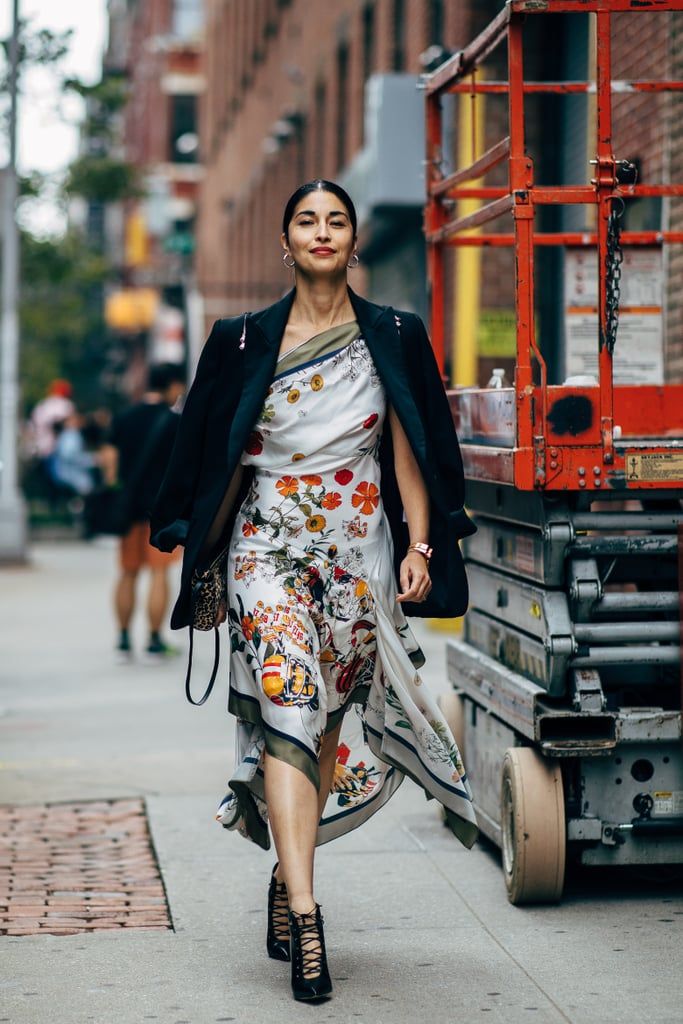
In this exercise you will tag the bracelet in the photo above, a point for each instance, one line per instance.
(423, 549)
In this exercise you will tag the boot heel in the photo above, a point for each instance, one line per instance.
(310, 975)
(278, 920)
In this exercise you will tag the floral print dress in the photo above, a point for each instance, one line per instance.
(316, 634)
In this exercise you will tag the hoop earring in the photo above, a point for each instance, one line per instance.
(284, 259)
(355, 257)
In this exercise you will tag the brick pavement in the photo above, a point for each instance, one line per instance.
(78, 867)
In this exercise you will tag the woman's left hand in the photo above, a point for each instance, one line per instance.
(414, 577)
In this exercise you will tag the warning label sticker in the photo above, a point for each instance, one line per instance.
(668, 802)
(653, 466)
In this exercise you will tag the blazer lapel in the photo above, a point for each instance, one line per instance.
(263, 332)
(383, 338)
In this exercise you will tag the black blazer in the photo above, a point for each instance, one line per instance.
(223, 405)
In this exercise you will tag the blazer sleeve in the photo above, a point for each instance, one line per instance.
(171, 512)
(438, 418)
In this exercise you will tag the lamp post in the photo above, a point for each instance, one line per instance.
(12, 509)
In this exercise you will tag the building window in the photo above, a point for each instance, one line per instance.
(399, 34)
(435, 28)
(187, 18)
(342, 113)
(368, 41)
(183, 142)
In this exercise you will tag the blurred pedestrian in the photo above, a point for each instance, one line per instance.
(73, 467)
(316, 465)
(44, 428)
(140, 444)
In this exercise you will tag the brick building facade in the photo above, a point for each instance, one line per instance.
(162, 42)
(287, 100)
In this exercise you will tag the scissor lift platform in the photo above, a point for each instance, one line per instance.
(566, 697)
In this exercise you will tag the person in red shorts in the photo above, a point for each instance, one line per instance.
(140, 445)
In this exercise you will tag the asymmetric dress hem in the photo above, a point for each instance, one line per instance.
(315, 629)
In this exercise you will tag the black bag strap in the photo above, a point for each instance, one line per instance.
(217, 647)
(214, 671)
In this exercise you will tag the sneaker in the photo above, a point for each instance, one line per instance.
(123, 654)
(158, 650)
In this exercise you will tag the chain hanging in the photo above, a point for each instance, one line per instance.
(613, 262)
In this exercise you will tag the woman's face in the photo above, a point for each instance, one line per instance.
(321, 238)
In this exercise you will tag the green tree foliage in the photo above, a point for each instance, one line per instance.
(98, 175)
(37, 48)
(101, 179)
(62, 279)
(61, 317)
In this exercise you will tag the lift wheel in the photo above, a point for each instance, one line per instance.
(533, 827)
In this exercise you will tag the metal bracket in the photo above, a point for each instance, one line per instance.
(584, 830)
(585, 588)
(539, 460)
(588, 695)
(611, 835)
(560, 646)
(556, 538)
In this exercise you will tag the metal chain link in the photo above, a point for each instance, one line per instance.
(613, 262)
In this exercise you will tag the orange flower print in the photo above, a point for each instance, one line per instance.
(287, 486)
(332, 500)
(317, 382)
(315, 524)
(365, 498)
(293, 396)
(248, 626)
(248, 529)
(312, 480)
(298, 456)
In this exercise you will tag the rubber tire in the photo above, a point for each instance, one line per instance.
(534, 833)
(453, 709)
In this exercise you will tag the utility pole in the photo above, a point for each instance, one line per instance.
(12, 509)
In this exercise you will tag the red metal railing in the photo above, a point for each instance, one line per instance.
(541, 459)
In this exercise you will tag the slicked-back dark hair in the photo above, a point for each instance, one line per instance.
(319, 185)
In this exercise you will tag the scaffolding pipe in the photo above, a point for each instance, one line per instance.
(623, 546)
(626, 632)
(627, 655)
(627, 521)
(640, 601)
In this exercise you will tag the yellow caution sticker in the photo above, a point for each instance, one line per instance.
(652, 467)
(668, 802)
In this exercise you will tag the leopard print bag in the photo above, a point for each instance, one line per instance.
(209, 590)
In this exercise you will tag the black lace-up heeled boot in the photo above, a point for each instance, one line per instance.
(277, 939)
(310, 976)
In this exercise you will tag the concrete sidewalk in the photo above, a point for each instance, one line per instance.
(417, 927)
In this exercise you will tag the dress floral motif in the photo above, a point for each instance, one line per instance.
(315, 631)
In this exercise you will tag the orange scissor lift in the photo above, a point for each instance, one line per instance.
(566, 683)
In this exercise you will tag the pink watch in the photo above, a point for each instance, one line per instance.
(424, 549)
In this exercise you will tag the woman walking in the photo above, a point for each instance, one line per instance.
(317, 447)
